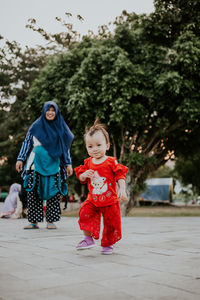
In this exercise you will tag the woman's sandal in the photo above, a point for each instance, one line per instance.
(51, 226)
(31, 226)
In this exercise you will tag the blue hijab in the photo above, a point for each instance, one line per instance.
(55, 136)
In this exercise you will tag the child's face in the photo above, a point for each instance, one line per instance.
(50, 114)
(96, 145)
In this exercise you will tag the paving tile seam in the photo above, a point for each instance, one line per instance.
(113, 289)
(163, 271)
(174, 287)
(190, 252)
(159, 253)
(21, 238)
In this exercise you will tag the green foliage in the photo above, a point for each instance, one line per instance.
(142, 81)
(162, 172)
(188, 170)
(18, 69)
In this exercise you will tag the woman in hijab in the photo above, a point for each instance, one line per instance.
(48, 165)
(10, 204)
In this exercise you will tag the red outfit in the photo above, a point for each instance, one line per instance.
(102, 199)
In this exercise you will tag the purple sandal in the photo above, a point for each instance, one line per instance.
(107, 250)
(87, 243)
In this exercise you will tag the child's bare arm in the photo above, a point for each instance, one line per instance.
(122, 190)
(87, 174)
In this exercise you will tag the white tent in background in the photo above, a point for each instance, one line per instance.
(158, 190)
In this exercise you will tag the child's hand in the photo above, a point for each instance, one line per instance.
(122, 195)
(87, 174)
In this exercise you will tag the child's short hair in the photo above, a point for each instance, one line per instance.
(97, 126)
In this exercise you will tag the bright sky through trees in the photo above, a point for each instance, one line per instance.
(14, 16)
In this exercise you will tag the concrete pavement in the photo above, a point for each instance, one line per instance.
(158, 258)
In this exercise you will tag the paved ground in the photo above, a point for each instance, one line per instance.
(158, 258)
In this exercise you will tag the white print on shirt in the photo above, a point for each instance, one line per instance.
(99, 184)
(30, 165)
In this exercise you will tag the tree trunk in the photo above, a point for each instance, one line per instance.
(131, 203)
(131, 194)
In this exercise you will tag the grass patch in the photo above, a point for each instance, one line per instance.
(149, 211)
(169, 211)
(70, 213)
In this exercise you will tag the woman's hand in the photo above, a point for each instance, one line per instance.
(19, 166)
(69, 170)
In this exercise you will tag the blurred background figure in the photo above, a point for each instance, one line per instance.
(10, 204)
(72, 198)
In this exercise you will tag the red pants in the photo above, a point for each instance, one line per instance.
(90, 220)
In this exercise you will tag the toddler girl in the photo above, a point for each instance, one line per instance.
(101, 172)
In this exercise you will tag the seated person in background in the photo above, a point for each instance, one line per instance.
(10, 204)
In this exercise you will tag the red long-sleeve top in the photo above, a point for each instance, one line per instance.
(102, 187)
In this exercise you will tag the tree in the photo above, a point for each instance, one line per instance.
(162, 172)
(18, 69)
(142, 81)
(188, 171)
(188, 162)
